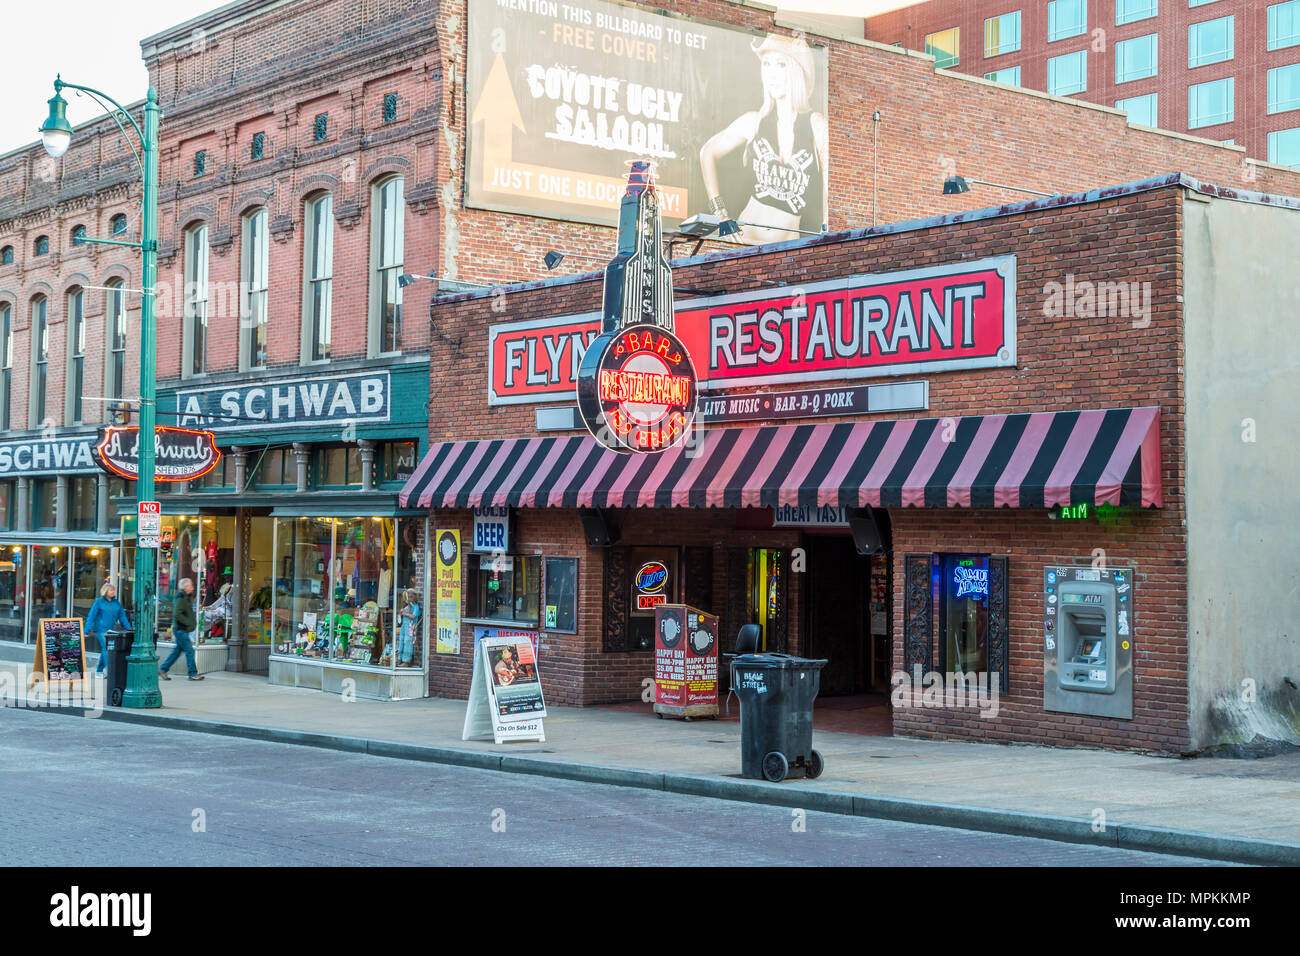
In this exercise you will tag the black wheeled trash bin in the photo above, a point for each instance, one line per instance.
(119, 647)
(776, 700)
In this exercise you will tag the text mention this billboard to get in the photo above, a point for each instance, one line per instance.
(563, 95)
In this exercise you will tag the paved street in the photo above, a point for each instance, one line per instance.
(276, 804)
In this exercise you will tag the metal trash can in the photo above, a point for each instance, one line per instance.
(119, 647)
(776, 699)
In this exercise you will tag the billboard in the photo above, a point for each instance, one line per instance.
(932, 319)
(563, 95)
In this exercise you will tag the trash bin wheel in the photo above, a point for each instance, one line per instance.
(775, 767)
(115, 698)
(815, 765)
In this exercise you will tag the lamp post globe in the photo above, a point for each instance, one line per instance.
(56, 131)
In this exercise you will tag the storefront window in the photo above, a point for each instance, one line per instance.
(275, 468)
(561, 600)
(90, 567)
(178, 557)
(7, 504)
(338, 467)
(304, 552)
(360, 567)
(13, 586)
(45, 503)
(505, 588)
(83, 494)
(49, 590)
(962, 581)
(398, 460)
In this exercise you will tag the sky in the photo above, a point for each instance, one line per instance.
(99, 46)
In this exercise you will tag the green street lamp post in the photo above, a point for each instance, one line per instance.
(56, 135)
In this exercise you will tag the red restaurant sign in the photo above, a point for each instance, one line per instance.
(960, 316)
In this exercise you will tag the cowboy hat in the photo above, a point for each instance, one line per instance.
(796, 49)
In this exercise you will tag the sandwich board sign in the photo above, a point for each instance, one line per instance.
(505, 694)
(60, 652)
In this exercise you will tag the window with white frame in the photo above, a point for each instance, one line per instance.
(76, 381)
(1136, 59)
(1002, 34)
(115, 324)
(1200, 3)
(1210, 104)
(256, 268)
(1141, 110)
(1068, 74)
(1284, 88)
(1066, 18)
(945, 47)
(1284, 25)
(1284, 147)
(1010, 76)
(196, 300)
(319, 276)
(387, 245)
(1210, 42)
(1130, 11)
(40, 360)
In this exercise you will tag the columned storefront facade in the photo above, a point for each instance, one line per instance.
(300, 517)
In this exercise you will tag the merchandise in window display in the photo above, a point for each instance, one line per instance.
(364, 633)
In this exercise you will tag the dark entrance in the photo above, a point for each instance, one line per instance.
(847, 599)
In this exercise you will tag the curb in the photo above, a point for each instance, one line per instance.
(1125, 836)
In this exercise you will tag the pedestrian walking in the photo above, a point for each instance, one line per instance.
(104, 615)
(184, 621)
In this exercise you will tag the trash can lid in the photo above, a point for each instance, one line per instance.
(773, 660)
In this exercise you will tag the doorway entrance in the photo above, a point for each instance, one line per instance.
(847, 616)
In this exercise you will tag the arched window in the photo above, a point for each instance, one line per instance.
(6, 360)
(318, 267)
(115, 324)
(76, 354)
(256, 268)
(117, 225)
(40, 360)
(42, 245)
(196, 300)
(387, 225)
(78, 235)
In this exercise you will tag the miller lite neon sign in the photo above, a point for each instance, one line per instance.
(637, 388)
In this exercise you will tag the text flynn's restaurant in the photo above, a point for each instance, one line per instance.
(1002, 469)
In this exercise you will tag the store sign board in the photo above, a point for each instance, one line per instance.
(491, 530)
(809, 516)
(180, 454)
(447, 561)
(561, 94)
(637, 389)
(816, 402)
(48, 456)
(358, 397)
(934, 319)
(505, 696)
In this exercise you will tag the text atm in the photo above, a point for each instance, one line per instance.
(1088, 649)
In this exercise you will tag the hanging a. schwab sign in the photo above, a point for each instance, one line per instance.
(180, 454)
(636, 383)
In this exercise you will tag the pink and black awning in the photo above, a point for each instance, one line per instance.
(1029, 460)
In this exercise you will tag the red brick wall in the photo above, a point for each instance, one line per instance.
(1063, 363)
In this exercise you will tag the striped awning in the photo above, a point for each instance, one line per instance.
(1030, 460)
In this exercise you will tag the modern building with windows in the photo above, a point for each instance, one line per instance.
(1227, 70)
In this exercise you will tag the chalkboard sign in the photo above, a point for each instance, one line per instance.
(60, 650)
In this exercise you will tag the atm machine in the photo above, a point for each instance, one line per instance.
(1088, 641)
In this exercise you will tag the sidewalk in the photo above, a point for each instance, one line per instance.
(1152, 803)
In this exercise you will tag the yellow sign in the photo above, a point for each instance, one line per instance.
(447, 561)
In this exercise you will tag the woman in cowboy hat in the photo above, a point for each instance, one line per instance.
(786, 147)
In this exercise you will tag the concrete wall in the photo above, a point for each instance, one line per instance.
(1242, 292)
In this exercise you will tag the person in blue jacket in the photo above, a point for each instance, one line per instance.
(105, 614)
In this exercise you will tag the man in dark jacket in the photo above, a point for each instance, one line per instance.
(184, 622)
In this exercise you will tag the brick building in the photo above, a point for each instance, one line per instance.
(1225, 70)
(313, 153)
(1127, 393)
